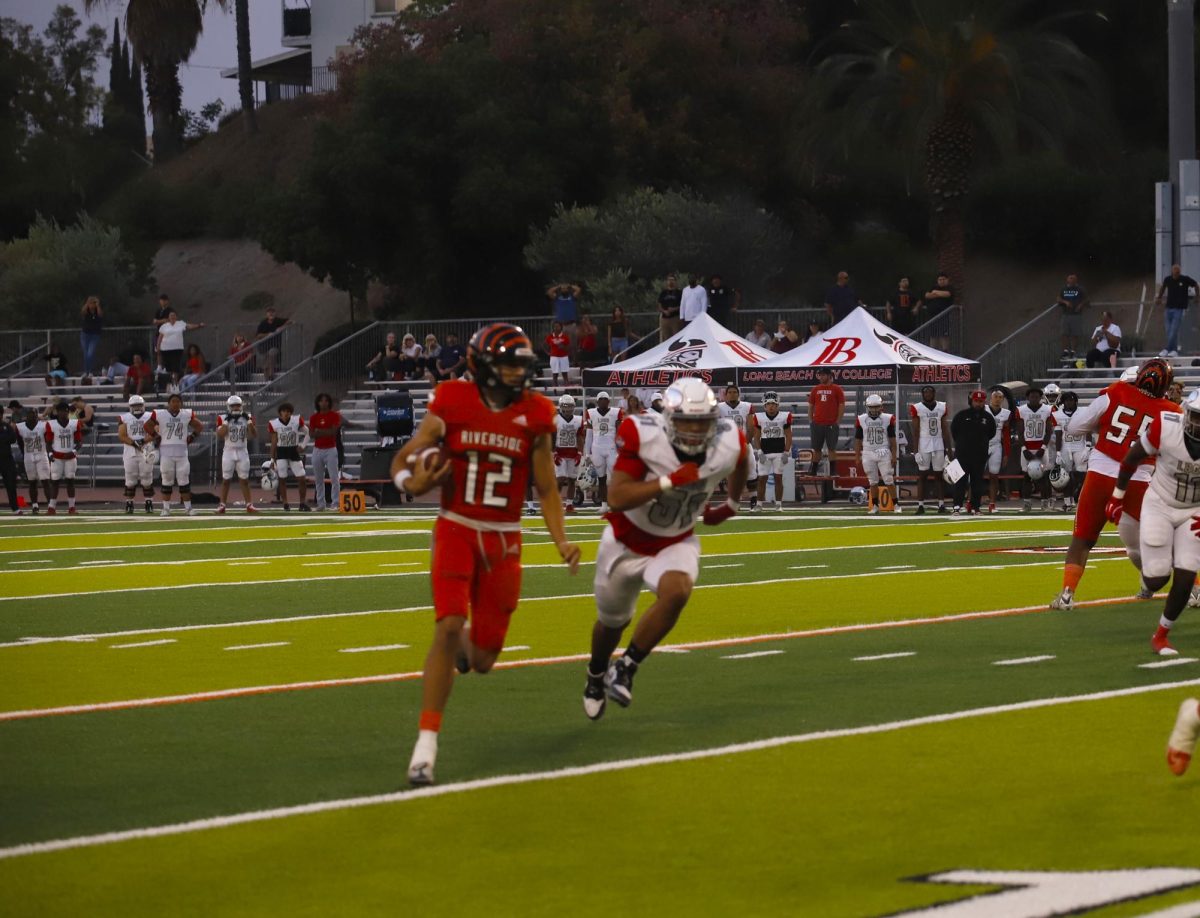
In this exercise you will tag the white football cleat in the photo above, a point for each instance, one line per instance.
(165, 512)
(220, 508)
(1064, 600)
(424, 757)
(1194, 599)
(192, 511)
(1182, 743)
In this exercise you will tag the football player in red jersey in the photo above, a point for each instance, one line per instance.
(494, 434)
(1118, 416)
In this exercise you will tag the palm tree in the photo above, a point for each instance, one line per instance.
(242, 13)
(945, 81)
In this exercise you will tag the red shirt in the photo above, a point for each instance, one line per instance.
(324, 426)
(489, 450)
(559, 345)
(825, 404)
(139, 370)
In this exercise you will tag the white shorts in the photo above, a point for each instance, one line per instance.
(603, 460)
(176, 470)
(292, 467)
(934, 459)
(566, 468)
(37, 467)
(622, 574)
(62, 468)
(236, 461)
(138, 471)
(1167, 540)
(772, 463)
(995, 458)
(560, 365)
(1074, 460)
(879, 468)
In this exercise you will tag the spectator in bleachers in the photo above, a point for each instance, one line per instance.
(171, 345)
(1175, 392)
(785, 338)
(814, 328)
(566, 306)
(901, 308)
(56, 365)
(694, 302)
(1106, 343)
(412, 358)
(589, 350)
(243, 359)
(194, 367)
(633, 405)
(162, 315)
(937, 300)
(759, 334)
(618, 333)
(138, 377)
(1179, 290)
(451, 359)
(669, 301)
(558, 346)
(1073, 299)
(270, 324)
(840, 299)
(378, 366)
(432, 349)
(723, 301)
(91, 327)
(82, 412)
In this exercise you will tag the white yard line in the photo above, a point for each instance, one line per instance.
(372, 649)
(258, 646)
(749, 656)
(403, 564)
(1021, 661)
(517, 647)
(1170, 661)
(142, 644)
(886, 656)
(324, 563)
(247, 563)
(895, 567)
(256, 816)
(713, 567)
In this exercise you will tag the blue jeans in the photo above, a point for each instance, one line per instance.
(89, 342)
(1174, 321)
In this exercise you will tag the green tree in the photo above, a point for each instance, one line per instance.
(948, 82)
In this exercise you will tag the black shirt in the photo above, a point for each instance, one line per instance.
(668, 302)
(267, 326)
(8, 439)
(1177, 290)
(939, 304)
(904, 309)
(91, 323)
(720, 303)
(1074, 295)
(842, 299)
(162, 314)
(972, 431)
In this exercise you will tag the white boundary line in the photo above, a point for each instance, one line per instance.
(305, 809)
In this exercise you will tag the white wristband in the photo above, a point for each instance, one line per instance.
(664, 482)
(401, 476)
(1118, 493)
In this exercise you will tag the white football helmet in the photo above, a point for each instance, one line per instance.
(1191, 415)
(1034, 469)
(690, 413)
(234, 404)
(858, 495)
(587, 479)
(566, 406)
(874, 405)
(270, 479)
(136, 403)
(1060, 478)
(1052, 393)
(1129, 374)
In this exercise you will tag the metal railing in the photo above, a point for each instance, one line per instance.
(288, 341)
(946, 331)
(23, 364)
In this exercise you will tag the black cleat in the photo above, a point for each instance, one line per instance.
(129, 506)
(618, 681)
(149, 506)
(594, 699)
(461, 663)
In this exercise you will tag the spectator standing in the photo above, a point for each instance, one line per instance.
(759, 334)
(826, 403)
(411, 357)
(784, 339)
(559, 347)
(566, 306)
(1106, 342)
(56, 365)
(590, 352)
(1072, 299)
(324, 427)
(723, 301)
(194, 367)
(902, 307)
(162, 315)
(840, 299)
(171, 346)
(670, 298)
(972, 430)
(270, 324)
(618, 333)
(137, 377)
(243, 359)
(694, 301)
(91, 327)
(938, 299)
(1179, 290)
(450, 360)
(8, 465)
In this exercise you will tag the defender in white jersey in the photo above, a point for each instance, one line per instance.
(568, 432)
(771, 430)
(668, 466)
(1036, 423)
(1169, 544)
(741, 414)
(1074, 447)
(875, 449)
(236, 429)
(1000, 443)
(139, 454)
(600, 441)
(32, 433)
(288, 435)
(64, 434)
(931, 439)
(173, 429)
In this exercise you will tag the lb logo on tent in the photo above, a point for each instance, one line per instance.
(684, 352)
(838, 351)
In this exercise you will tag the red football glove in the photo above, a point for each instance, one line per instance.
(685, 475)
(1196, 526)
(1115, 508)
(715, 516)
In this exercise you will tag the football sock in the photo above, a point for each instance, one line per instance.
(1071, 576)
(431, 722)
(635, 654)
(187, 505)
(70, 502)
(1165, 623)
(598, 663)
(592, 677)
(52, 502)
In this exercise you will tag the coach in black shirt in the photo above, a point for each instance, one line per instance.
(722, 301)
(669, 301)
(972, 430)
(1179, 288)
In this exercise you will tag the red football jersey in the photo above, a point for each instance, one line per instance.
(1125, 413)
(489, 450)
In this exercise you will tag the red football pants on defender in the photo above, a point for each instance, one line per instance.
(476, 574)
(1097, 489)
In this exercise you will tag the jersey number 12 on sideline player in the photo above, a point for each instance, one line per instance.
(494, 433)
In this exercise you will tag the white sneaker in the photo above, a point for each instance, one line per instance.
(874, 511)
(1065, 600)
(1164, 353)
(192, 511)
(424, 757)
(220, 508)
(1172, 353)
(1182, 743)
(1194, 599)
(165, 512)
(897, 510)
(779, 506)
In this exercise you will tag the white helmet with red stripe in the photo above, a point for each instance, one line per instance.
(690, 413)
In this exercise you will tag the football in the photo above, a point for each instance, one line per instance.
(429, 458)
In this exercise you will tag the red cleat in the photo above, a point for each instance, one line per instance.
(250, 508)
(50, 511)
(71, 511)
(1182, 743)
(1161, 643)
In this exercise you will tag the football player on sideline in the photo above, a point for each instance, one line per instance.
(931, 437)
(1118, 416)
(772, 445)
(740, 413)
(568, 429)
(494, 433)
(1073, 448)
(875, 449)
(1036, 424)
(174, 429)
(666, 470)
(236, 429)
(288, 440)
(600, 424)
(37, 458)
(63, 434)
(1170, 550)
(138, 454)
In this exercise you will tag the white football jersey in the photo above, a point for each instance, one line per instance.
(1072, 442)
(237, 433)
(672, 515)
(1176, 477)
(134, 426)
(33, 438)
(566, 437)
(1036, 423)
(772, 429)
(287, 434)
(930, 420)
(172, 431)
(739, 414)
(603, 426)
(64, 437)
(1001, 417)
(876, 432)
